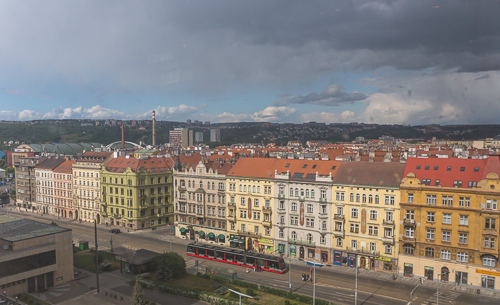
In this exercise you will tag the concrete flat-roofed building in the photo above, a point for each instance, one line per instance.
(33, 256)
(181, 137)
(214, 135)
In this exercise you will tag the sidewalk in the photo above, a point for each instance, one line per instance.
(409, 280)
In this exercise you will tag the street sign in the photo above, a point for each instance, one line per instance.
(314, 264)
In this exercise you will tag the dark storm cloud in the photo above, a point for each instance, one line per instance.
(333, 95)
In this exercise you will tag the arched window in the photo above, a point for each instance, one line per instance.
(351, 197)
(254, 188)
(245, 188)
(429, 252)
(357, 197)
(213, 185)
(189, 183)
(489, 261)
(297, 192)
(370, 198)
(294, 235)
(201, 184)
(312, 193)
(302, 192)
(258, 189)
(409, 249)
(364, 198)
(307, 193)
(377, 199)
(309, 238)
(462, 257)
(291, 191)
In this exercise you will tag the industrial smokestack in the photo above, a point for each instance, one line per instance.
(123, 138)
(154, 135)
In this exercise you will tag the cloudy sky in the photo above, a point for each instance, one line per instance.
(391, 61)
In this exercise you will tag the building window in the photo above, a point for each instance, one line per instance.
(464, 202)
(491, 204)
(309, 238)
(489, 242)
(462, 257)
(309, 208)
(447, 200)
(243, 228)
(445, 254)
(339, 196)
(322, 240)
(409, 249)
(256, 202)
(409, 232)
(351, 197)
(377, 198)
(430, 234)
(370, 198)
(363, 198)
(340, 242)
(464, 220)
(431, 216)
(281, 234)
(462, 238)
(357, 197)
(446, 236)
(373, 247)
(354, 213)
(354, 228)
(489, 261)
(447, 219)
(388, 249)
(410, 198)
(429, 252)
(373, 215)
(256, 228)
(282, 220)
(490, 223)
(294, 206)
(373, 230)
(242, 201)
(389, 216)
(294, 236)
(354, 244)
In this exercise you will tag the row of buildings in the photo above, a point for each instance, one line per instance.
(428, 217)
(425, 217)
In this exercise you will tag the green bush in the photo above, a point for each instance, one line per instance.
(171, 261)
(234, 295)
(246, 284)
(287, 302)
(250, 292)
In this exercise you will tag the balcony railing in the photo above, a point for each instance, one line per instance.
(386, 222)
(338, 217)
(323, 215)
(267, 223)
(231, 204)
(302, 242)
(322, 199)
(266, 209)
(249, 233)
(338, 233)
(363, 250)
(388, 240)
(409, 222)
(281, 196)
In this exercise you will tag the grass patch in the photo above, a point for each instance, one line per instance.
(31, 300)
(193, 282)
(86, 260)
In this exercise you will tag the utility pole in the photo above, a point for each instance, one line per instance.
(111, 241)
(437, 294)
(314, 285)
(356, 286)
(170, 238)
(290, 271)
(96, 256)
(411, 293)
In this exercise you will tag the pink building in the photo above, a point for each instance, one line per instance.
(63, 190)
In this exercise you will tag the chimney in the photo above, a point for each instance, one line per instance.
(123, 138)
(154, 135)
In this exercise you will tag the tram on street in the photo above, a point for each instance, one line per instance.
(256, 261)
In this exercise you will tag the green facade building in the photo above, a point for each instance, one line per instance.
(137, 193)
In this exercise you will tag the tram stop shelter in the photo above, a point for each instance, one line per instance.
(135, 261)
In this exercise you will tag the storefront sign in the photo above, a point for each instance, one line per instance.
(121, 258)
(383, 259)
(266, 241)
(428, 268)
(293, 250)
(487, 272)
(408, 265)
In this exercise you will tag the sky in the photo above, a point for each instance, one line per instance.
(385, 62)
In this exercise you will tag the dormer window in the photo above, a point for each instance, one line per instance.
(462, 169)
(436, 168)
(427, 167)
(418, 166)
(476, 169)
(448, 168)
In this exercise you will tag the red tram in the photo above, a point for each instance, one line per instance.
(237, 257)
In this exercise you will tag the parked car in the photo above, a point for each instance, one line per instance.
(115, 231)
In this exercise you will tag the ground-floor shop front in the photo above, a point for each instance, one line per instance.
(447, 271)
(364, 261)
(201, 233)
(318, 254)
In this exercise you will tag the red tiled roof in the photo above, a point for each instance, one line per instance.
(448, 170)
(64, 167)
(153, 165)
(94, 156)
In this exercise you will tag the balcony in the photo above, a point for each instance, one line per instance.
(386, 222)
(142, 195)
(323, 215)
(267, 223)
(266, 209)
(388, 240)
(281, 211)
(182, 187)
(408, 238)
(339, 233)
(302, 199)
(362, 251)
(322, 199)
(231, 204)
(490, 232)
(338, 217)
(302, 242)
(281, 196)
(409, 222)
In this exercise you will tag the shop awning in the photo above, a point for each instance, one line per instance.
(182, 230)
(211, 235)
(221, 236)
(201, 233)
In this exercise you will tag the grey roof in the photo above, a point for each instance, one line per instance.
(50, 163)
(64, 148)
(370, 173)
(139, 257)
(14, 229)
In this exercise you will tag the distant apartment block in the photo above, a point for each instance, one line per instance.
(181, 137)
(214, 135)
(198, 137)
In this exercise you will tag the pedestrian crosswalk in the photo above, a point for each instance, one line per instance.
(445, 297)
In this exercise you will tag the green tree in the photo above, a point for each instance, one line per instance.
(138, 297)
(163, 273)
(173, 262)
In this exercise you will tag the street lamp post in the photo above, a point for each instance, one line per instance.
(314, 277)
(437, 294)
(241, 294)
(411, 293)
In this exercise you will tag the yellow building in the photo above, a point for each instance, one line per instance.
(450, 220)
(365, 211)
(249, 194)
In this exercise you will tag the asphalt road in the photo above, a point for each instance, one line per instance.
(333, 286)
